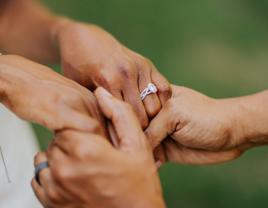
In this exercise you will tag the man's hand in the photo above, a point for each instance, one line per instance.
(195, 129)
(92, 57)
(87, 171)
(38, 94)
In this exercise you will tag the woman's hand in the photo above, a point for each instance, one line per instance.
(38, 94)
(92, 57)
(195, 129)
(87, 171)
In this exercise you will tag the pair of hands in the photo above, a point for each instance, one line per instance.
(87, 171)
(91, 57)
(196, 125)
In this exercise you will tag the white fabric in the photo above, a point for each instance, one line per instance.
(19, 146)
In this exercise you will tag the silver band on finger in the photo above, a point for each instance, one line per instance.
(151, 88)
(38, 168)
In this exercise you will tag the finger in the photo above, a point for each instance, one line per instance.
(178, 153)
(129, 132)
(58, 160)
(55, 154)
(82, 122)
(164, 90)
(65, 117)
(151, 102)
(159, 153)
(132, 96)
(71, 141)
(113, 135)
(44, 174)
(38, 191)
(162, 125)
(116, 93)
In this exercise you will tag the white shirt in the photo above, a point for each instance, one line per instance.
(19, 146)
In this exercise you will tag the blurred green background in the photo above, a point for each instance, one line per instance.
(219, 48)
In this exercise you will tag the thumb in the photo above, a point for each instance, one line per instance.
(163, 124)
(130, 135)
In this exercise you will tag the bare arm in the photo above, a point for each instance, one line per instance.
(27, 29)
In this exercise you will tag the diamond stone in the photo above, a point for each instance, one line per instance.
(152, 88)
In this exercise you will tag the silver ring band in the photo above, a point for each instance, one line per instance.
(151, 88)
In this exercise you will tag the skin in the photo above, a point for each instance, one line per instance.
(36, 93)
(89, 55)
(87, 171)
(195, 129)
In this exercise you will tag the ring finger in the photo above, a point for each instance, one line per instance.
(151, 101)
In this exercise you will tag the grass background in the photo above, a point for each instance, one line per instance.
(219, 48)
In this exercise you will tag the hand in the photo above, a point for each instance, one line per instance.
(92, 57)
(38, 94)
(195, 129)
(87, 171)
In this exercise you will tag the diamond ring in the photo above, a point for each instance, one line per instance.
(151, 88)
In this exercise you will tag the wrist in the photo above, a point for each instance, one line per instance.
(252, 119)
(231, 118)
(248, 118)
(57, 25)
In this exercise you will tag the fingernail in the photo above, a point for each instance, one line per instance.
(105, 92)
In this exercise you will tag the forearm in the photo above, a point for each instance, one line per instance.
(250, 116)
(254, 118)
(28, 29)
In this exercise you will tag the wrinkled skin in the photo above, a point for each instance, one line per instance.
(92, 57)
(195, 129)
(87, 171)
(36, 93)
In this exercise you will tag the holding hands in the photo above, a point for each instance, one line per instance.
(87, 171)
(93, 57)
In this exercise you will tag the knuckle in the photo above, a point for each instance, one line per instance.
(141, 63)
(106, 80)
(80, 150)
(126, 70)
(61, 174)
(95, 126)
(55, 103)
(165, 90)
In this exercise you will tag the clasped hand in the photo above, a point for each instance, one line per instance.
(87, 171)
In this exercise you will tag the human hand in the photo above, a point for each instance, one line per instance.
(93, 57)
(36, 93)
(87, 171)
(194, 129)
